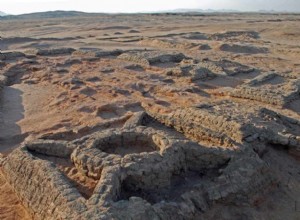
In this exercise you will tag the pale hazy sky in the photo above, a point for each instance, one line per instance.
(26, 6)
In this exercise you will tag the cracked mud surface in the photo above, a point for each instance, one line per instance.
(138, 117)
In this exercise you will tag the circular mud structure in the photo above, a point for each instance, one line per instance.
(129, 143)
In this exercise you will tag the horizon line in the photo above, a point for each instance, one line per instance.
(179, 10)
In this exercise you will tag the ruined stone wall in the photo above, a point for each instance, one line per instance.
(11, 55)
(265, 96)
(148, 58)
(281, 95)
(200, 124)
(42, 187)
(135, 168)
(204, 126)
(51, 52)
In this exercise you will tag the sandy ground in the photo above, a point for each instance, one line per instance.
(42, 98)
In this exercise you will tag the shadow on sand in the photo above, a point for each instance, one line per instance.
(11, 112)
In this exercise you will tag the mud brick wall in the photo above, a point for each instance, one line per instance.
(202, 125)
(126, 179)
(259, 94)
(281, 97)
(42, 187)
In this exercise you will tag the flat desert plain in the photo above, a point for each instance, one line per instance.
(150, 116)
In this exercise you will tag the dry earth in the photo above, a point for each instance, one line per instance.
(67, 79)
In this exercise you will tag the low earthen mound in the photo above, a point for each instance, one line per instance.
(235, 48)
(150, 58)
(236, 35)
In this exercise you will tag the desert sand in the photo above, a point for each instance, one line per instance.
(206, 105)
